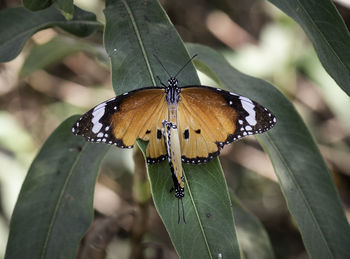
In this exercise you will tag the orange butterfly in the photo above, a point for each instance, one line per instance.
(189, 124)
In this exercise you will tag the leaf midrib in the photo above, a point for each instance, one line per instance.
(59, 201)
(139, 40)
(197, 216)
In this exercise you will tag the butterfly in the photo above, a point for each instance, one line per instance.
(188, 124)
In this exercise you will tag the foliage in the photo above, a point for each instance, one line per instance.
(55, 203)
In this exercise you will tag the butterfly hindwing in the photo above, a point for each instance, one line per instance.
(123, 119)
(210, 118)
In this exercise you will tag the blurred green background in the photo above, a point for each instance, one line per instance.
(255, 37)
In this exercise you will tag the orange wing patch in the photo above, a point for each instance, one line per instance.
(121, 120)
(140, 116)
(205, 122)
(156, 150)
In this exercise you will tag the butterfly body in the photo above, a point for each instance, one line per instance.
(171, 136)
(188, 124)
(172, 140)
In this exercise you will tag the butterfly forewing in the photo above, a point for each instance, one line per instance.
(209, 118)
(123, 119)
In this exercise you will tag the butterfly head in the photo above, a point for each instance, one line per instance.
(172, 91)
(172, 82)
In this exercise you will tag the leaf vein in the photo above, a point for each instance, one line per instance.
(59, 202)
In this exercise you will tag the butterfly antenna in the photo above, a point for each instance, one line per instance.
(160, 81)
(162, 65)
(195, 55)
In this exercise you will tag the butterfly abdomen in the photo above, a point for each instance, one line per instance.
(171, 136)
(172, 139)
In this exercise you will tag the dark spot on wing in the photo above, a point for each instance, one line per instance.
(198, 131)
(186, 134)
(148, 131)
(159, 134)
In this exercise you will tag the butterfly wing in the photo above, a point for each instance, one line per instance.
(123, 119)
(210, 118)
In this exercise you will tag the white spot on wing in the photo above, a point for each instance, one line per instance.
(97, 114)
(248, 105)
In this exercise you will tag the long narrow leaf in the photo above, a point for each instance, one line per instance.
(54, 208)
(52, 52)
(327, 31)
(304, 178)
(18, 24)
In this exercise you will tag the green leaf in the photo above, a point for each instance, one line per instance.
(52, 52)
(54, 207)
(328, 33)
(252, 237)
(304, 178)
(66, 7)
(135, 32)
(36, 5)
(133, 37)
(18, 24)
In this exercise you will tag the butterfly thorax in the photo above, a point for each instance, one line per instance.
(172, 91)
